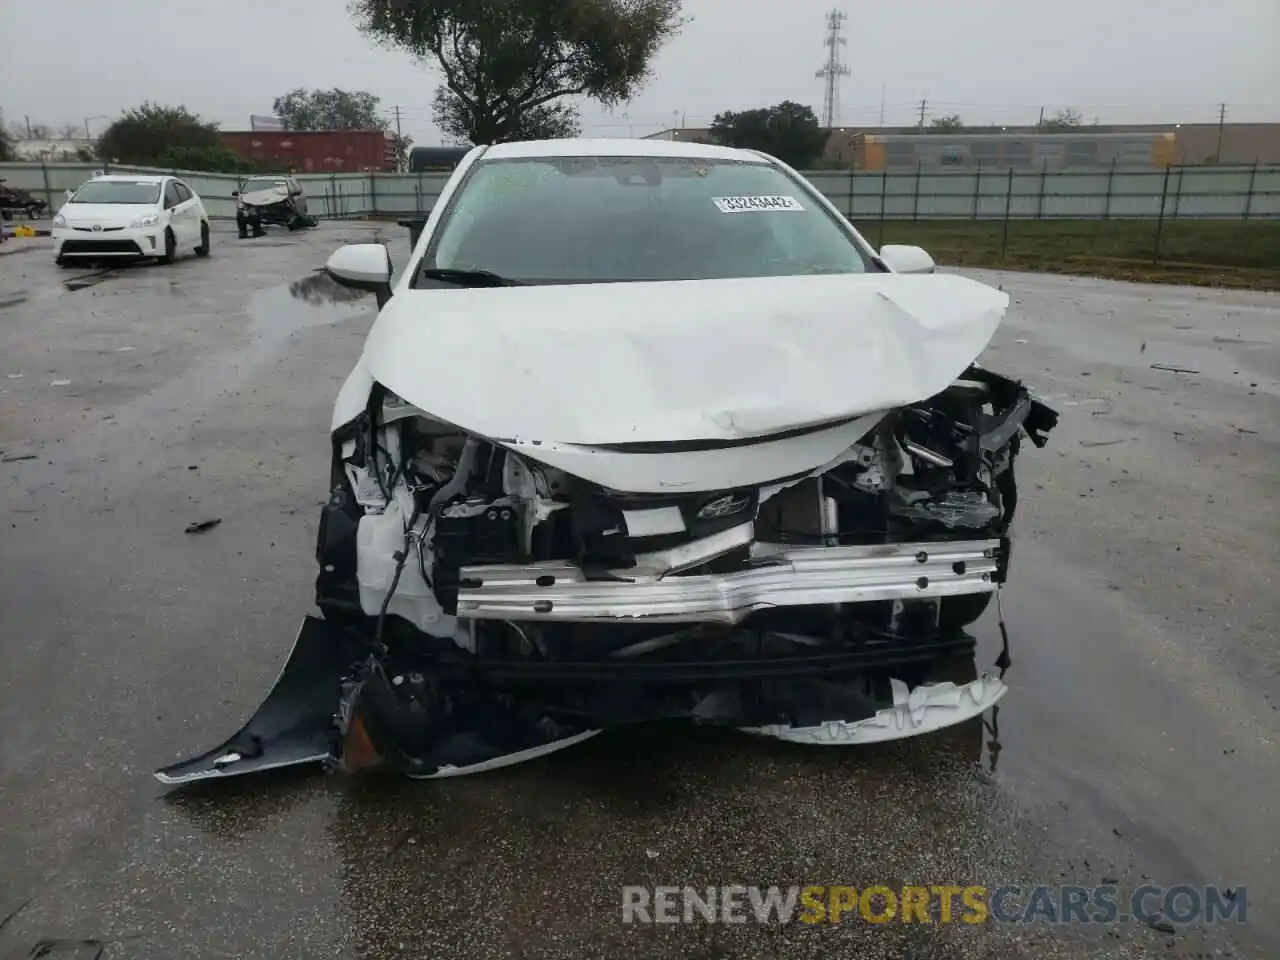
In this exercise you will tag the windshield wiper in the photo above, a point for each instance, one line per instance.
(467, 278)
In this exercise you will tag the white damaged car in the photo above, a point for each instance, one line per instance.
(644, 431)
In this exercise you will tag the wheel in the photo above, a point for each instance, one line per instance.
(63, 262)
(203, 249)
(170, 246)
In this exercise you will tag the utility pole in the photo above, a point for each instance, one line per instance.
(882, 104)
(1040, 122)
(833, 69)
(28, 119)
(397, 113)
(1222, 120)
(923, 105)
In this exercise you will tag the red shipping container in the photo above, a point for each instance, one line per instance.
(315, 151)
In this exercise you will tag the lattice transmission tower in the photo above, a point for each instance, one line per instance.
(834, 68)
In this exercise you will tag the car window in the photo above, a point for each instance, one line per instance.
(171, 198)
(252, 186)
(118, 191)
(293, 187)
(184, 193)
(605, 219)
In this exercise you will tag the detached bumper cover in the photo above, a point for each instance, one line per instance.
(922, 710)
(789, 577)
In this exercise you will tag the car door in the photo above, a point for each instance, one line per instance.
(173, 203)
(198, 211)
(190, 211)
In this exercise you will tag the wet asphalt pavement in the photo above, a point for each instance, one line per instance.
(1138, 744)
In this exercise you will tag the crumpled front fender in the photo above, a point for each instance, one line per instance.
(295, 725)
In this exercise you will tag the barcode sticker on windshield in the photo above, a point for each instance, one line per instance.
(755, 204)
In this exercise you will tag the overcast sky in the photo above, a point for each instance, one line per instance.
(63, 61)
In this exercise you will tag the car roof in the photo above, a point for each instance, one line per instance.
(134, 177)
(619, 147)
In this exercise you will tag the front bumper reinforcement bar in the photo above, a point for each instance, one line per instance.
(802, 576)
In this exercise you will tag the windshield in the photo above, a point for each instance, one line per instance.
(253, 186)
(118, 191)
(605, 219)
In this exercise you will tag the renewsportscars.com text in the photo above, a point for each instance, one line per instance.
(935, 904)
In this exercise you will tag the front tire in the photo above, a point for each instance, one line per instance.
(203, 249)
(63, 262)
(170, 246)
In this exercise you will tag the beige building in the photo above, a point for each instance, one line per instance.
(53, 151)
(1179, 144)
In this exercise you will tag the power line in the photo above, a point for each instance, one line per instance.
(834, 69)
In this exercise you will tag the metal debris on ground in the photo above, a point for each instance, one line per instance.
(1172, 369)
(202, 526)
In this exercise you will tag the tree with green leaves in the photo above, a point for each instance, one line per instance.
(336, 109)
(329, 110)
(548, 121)
(504, 61)
(144, 135)
(948, 124)
(209, 159)
(788, 131)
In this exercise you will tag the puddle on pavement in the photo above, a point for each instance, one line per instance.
(311, 301)
(320, 288)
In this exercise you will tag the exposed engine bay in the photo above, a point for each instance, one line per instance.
(481, 607)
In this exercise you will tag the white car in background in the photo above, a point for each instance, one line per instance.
(131, 216)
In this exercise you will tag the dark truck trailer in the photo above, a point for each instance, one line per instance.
(430, 160)
(436, 159)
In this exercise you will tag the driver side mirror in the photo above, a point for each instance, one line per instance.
(902, 258)
(362, 266)
(234, 194)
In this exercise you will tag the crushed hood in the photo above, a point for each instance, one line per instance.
(264, 198)
(671, 361)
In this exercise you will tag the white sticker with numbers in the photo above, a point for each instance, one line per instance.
(755, 204)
